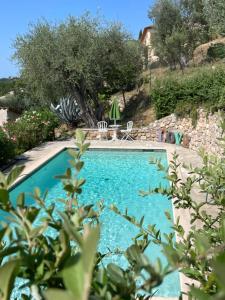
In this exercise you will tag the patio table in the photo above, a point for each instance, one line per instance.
(115, 131)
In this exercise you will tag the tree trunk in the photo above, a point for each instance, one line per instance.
(182, 63)
(87, 112)
(124, 99)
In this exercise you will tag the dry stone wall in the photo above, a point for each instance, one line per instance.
(204, 135)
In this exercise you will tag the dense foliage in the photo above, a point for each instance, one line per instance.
(21, 98)
(7, 147)
(215, 14)
(216, 52)
(199, 252)
(184, 93)
(31, 129)
(183, 25)
(180, 26)
(78, 58)
(68, 266)
(7, 85)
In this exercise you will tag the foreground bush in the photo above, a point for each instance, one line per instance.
(204, 87)
(32, 128)
(68, 266)
(7, 147)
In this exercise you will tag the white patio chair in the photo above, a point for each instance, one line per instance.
(102, 129)
(127, 132)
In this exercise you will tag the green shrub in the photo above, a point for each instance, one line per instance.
(200, 88)
(164, 97)
(32, 128)
(15, 103)
(186, 108)
(216, 51)
(70, 260)
(7, 85)
(7, 147)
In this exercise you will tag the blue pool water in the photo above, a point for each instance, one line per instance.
(115, 177)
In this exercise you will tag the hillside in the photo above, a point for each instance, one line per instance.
(180, 92)
(7, 85)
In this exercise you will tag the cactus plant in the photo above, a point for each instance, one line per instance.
(67, 110)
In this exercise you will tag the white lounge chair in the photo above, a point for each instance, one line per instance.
(102, 129)
(127, 132)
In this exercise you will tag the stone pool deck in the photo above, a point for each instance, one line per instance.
(34, 158)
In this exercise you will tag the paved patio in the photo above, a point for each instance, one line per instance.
(34, 158)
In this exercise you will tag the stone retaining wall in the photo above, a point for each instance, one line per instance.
(204, 135)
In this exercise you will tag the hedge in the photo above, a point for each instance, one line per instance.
(205, 87)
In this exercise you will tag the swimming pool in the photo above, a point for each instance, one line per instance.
(116, 177)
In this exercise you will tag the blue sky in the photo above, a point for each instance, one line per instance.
(16, 15)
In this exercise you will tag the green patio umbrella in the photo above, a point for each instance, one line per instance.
(115, 111)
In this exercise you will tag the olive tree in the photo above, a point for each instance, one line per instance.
(72, 59)
(215, 14)
(180, 27)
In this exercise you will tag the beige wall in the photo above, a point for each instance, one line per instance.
(147, 41)
(6, 116)
(3, 116)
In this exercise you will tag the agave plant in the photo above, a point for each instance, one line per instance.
(67, 110)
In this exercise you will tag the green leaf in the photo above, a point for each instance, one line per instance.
(58, 294)
(101, 276)
(69, 188)
(79, 165)
(8, 274)
(89, 247)
(72, 152)
(20, 200)
(81, 182)
(85, 147)
(219, 267)
(32, 213)
(116, 274)
(200, 295)
(14, 174)
(78, 272)
(80, 136)
(134, 255)
(4, 196)
(142, 221)
(2, 180)
(2, 232)
(168, 215)
(71, 230)
(73, 277)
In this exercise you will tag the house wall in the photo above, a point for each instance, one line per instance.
(3, 116)
(147, 41)
(6, 115)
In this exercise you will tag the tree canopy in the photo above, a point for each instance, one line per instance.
(79, 58)
(183, 25)
(215, 14)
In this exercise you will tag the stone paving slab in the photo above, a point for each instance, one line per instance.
(36, 157)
